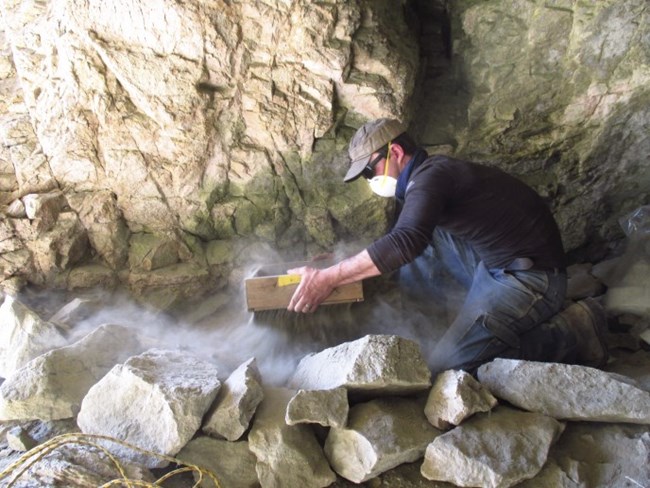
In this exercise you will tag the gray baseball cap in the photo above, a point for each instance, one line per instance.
(369, 138)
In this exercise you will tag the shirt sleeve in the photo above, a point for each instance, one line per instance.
(429, 190)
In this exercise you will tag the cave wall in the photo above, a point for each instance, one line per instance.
(556, 93)
(183, 136)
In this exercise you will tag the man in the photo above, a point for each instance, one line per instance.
(493, 232)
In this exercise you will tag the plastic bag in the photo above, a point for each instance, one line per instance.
(637, 223)
(630, 292)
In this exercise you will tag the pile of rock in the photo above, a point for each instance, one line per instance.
(363, 410)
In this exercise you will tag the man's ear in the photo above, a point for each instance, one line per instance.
(397, 152)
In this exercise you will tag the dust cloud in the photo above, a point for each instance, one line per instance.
(277, 339)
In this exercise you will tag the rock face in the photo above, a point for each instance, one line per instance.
(155, 401)
(566, 391)
(236, 402)
(492, 450)
(380, 435)
(247, 137)
(375, 364)
(53, 385)
(287, 455)
(23, 336)
(564, 75)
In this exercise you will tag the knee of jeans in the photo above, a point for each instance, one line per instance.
(501, 331)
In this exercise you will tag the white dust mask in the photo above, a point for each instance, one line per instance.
(384, 185)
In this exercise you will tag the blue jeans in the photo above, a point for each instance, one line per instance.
(506, 313)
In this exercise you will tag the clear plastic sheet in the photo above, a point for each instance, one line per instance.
(630, 291)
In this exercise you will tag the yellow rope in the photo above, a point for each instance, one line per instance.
(27, 460)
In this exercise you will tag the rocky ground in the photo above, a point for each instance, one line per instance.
(361, 411)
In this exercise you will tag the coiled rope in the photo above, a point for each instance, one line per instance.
(31, 457)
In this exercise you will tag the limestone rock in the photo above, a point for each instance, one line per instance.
(288, 456)
(155, 401)
(607, 271)
(456, 395)
(515, 82)
(75, 465)
(105, 224)
(16, 209)
(44, 208)
(602, 455)
(632, 293)
(19, 439)
(23, 336)
(635, 366)
(554, 475)
(328, 408)
(19, 264)
(374, 364)
(9, 240)
(52, 386)
(492, 450)
(567, 392)
(59, 248)
(236, 402)
(75, 311)
(168, 286)
(148, 252)
(581, 283)
(91, 276)
(37, 430)
(380, 435)
(231, 462)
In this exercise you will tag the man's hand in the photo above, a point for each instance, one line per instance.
(317, 284)
(314, 287)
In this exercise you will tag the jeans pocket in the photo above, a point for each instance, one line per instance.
(501, 331)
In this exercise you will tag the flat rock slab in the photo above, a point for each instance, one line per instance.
(374, 364)
(566, 392)
(328, 408)
(232, 463)
(381, 434)
(52, 386)
(155, 401)
(236, 402)
(492, 450)
(456, 395)
(288, 456)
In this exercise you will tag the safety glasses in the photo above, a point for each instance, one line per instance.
(369, 171)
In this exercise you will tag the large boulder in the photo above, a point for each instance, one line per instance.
(380, 435)
(23, 336)
(567, 392)
(236, 402)
(492, 450)
(232, 463)
(288, 456)
(52, 386)
(155, 401)
(594, 454)
(372, 365)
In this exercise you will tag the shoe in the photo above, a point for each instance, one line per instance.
(589, 321)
